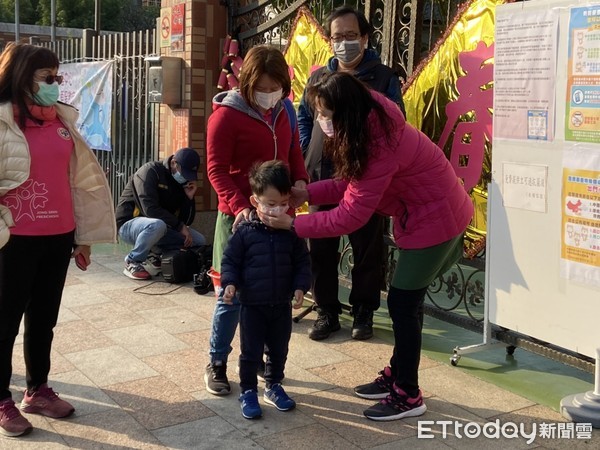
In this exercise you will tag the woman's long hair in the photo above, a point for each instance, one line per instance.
(18, 63)
(351, 103)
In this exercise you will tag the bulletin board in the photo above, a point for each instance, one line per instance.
(529, 289)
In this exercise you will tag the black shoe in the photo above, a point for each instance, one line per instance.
(379, 388)
(325, 324)
(215, 378)
(362, 327)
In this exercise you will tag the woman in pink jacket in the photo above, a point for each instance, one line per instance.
(386, 166)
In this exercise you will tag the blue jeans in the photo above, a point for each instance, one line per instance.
(146, 234)
(225, 321)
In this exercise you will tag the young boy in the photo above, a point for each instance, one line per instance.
(266, 267)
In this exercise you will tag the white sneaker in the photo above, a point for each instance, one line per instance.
(153, 264)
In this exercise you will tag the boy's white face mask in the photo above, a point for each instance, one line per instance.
(271, 210)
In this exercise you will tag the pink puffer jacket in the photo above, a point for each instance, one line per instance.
(407, 177)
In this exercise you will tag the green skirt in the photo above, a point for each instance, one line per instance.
(417, 268)
(223, 232)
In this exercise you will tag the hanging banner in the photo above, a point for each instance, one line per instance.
(178, 27)
(88, 86)
(582, 119)
(580, 239)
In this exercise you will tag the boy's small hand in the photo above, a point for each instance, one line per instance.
(298, 298)
(228, 294)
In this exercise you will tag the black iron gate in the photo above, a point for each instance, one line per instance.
(405, 30)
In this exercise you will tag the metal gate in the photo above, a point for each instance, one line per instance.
(135, 122)
(405, 31)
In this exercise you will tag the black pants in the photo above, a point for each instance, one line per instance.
(406, 311)
(264, 329)
(32, 276)
(367, 273)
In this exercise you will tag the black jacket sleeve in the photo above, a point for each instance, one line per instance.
(233, 258)
(145, 182)
(302, 272)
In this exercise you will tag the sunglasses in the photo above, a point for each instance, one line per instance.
(50, 79)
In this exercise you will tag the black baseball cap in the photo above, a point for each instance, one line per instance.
(188, 161)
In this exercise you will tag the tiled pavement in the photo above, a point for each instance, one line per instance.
(130, 356)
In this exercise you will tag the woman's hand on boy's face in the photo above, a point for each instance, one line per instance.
(282, 221)
(298, 298)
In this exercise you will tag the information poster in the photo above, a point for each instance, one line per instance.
(524, 186)
(582, 120)
(525, 74)
(178, 27)
(580, 249)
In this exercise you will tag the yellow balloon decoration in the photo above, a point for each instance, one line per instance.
(433, 85)
(307, 49)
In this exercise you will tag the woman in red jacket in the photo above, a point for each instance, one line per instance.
(247, 126)
(386, 166)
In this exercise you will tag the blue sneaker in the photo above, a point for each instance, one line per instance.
(250, 407)
(277, 397)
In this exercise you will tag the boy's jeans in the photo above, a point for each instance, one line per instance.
(145, 233)
(225, 321)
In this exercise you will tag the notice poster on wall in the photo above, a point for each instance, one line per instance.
(165, 27)
(524, 186)
(582, 118)
(525, 74)
(580, 249)
(178, 27)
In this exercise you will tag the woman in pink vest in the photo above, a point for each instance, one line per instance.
(386, 166)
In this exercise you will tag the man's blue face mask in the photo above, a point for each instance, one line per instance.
(180, 178)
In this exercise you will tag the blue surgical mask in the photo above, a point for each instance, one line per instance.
(180, 178)
(47, 94)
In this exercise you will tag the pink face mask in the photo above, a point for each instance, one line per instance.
(327, 126)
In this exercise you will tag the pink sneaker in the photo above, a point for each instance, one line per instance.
(12, 423)
(45, 401)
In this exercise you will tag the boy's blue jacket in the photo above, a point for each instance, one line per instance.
(264, 264)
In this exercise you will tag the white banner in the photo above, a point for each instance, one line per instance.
(88, 87)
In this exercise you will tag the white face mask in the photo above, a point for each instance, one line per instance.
(267, 100)
(271, 210)
(327, 126)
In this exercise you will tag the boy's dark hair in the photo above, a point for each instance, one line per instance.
(270, 173)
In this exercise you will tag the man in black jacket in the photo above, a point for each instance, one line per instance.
(348, 30)
(155, 211)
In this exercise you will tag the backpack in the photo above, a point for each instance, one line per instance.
(183, 265)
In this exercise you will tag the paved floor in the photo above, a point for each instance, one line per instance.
(130, 356)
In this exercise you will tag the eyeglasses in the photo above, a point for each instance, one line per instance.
(49, 79)
(350, 36)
